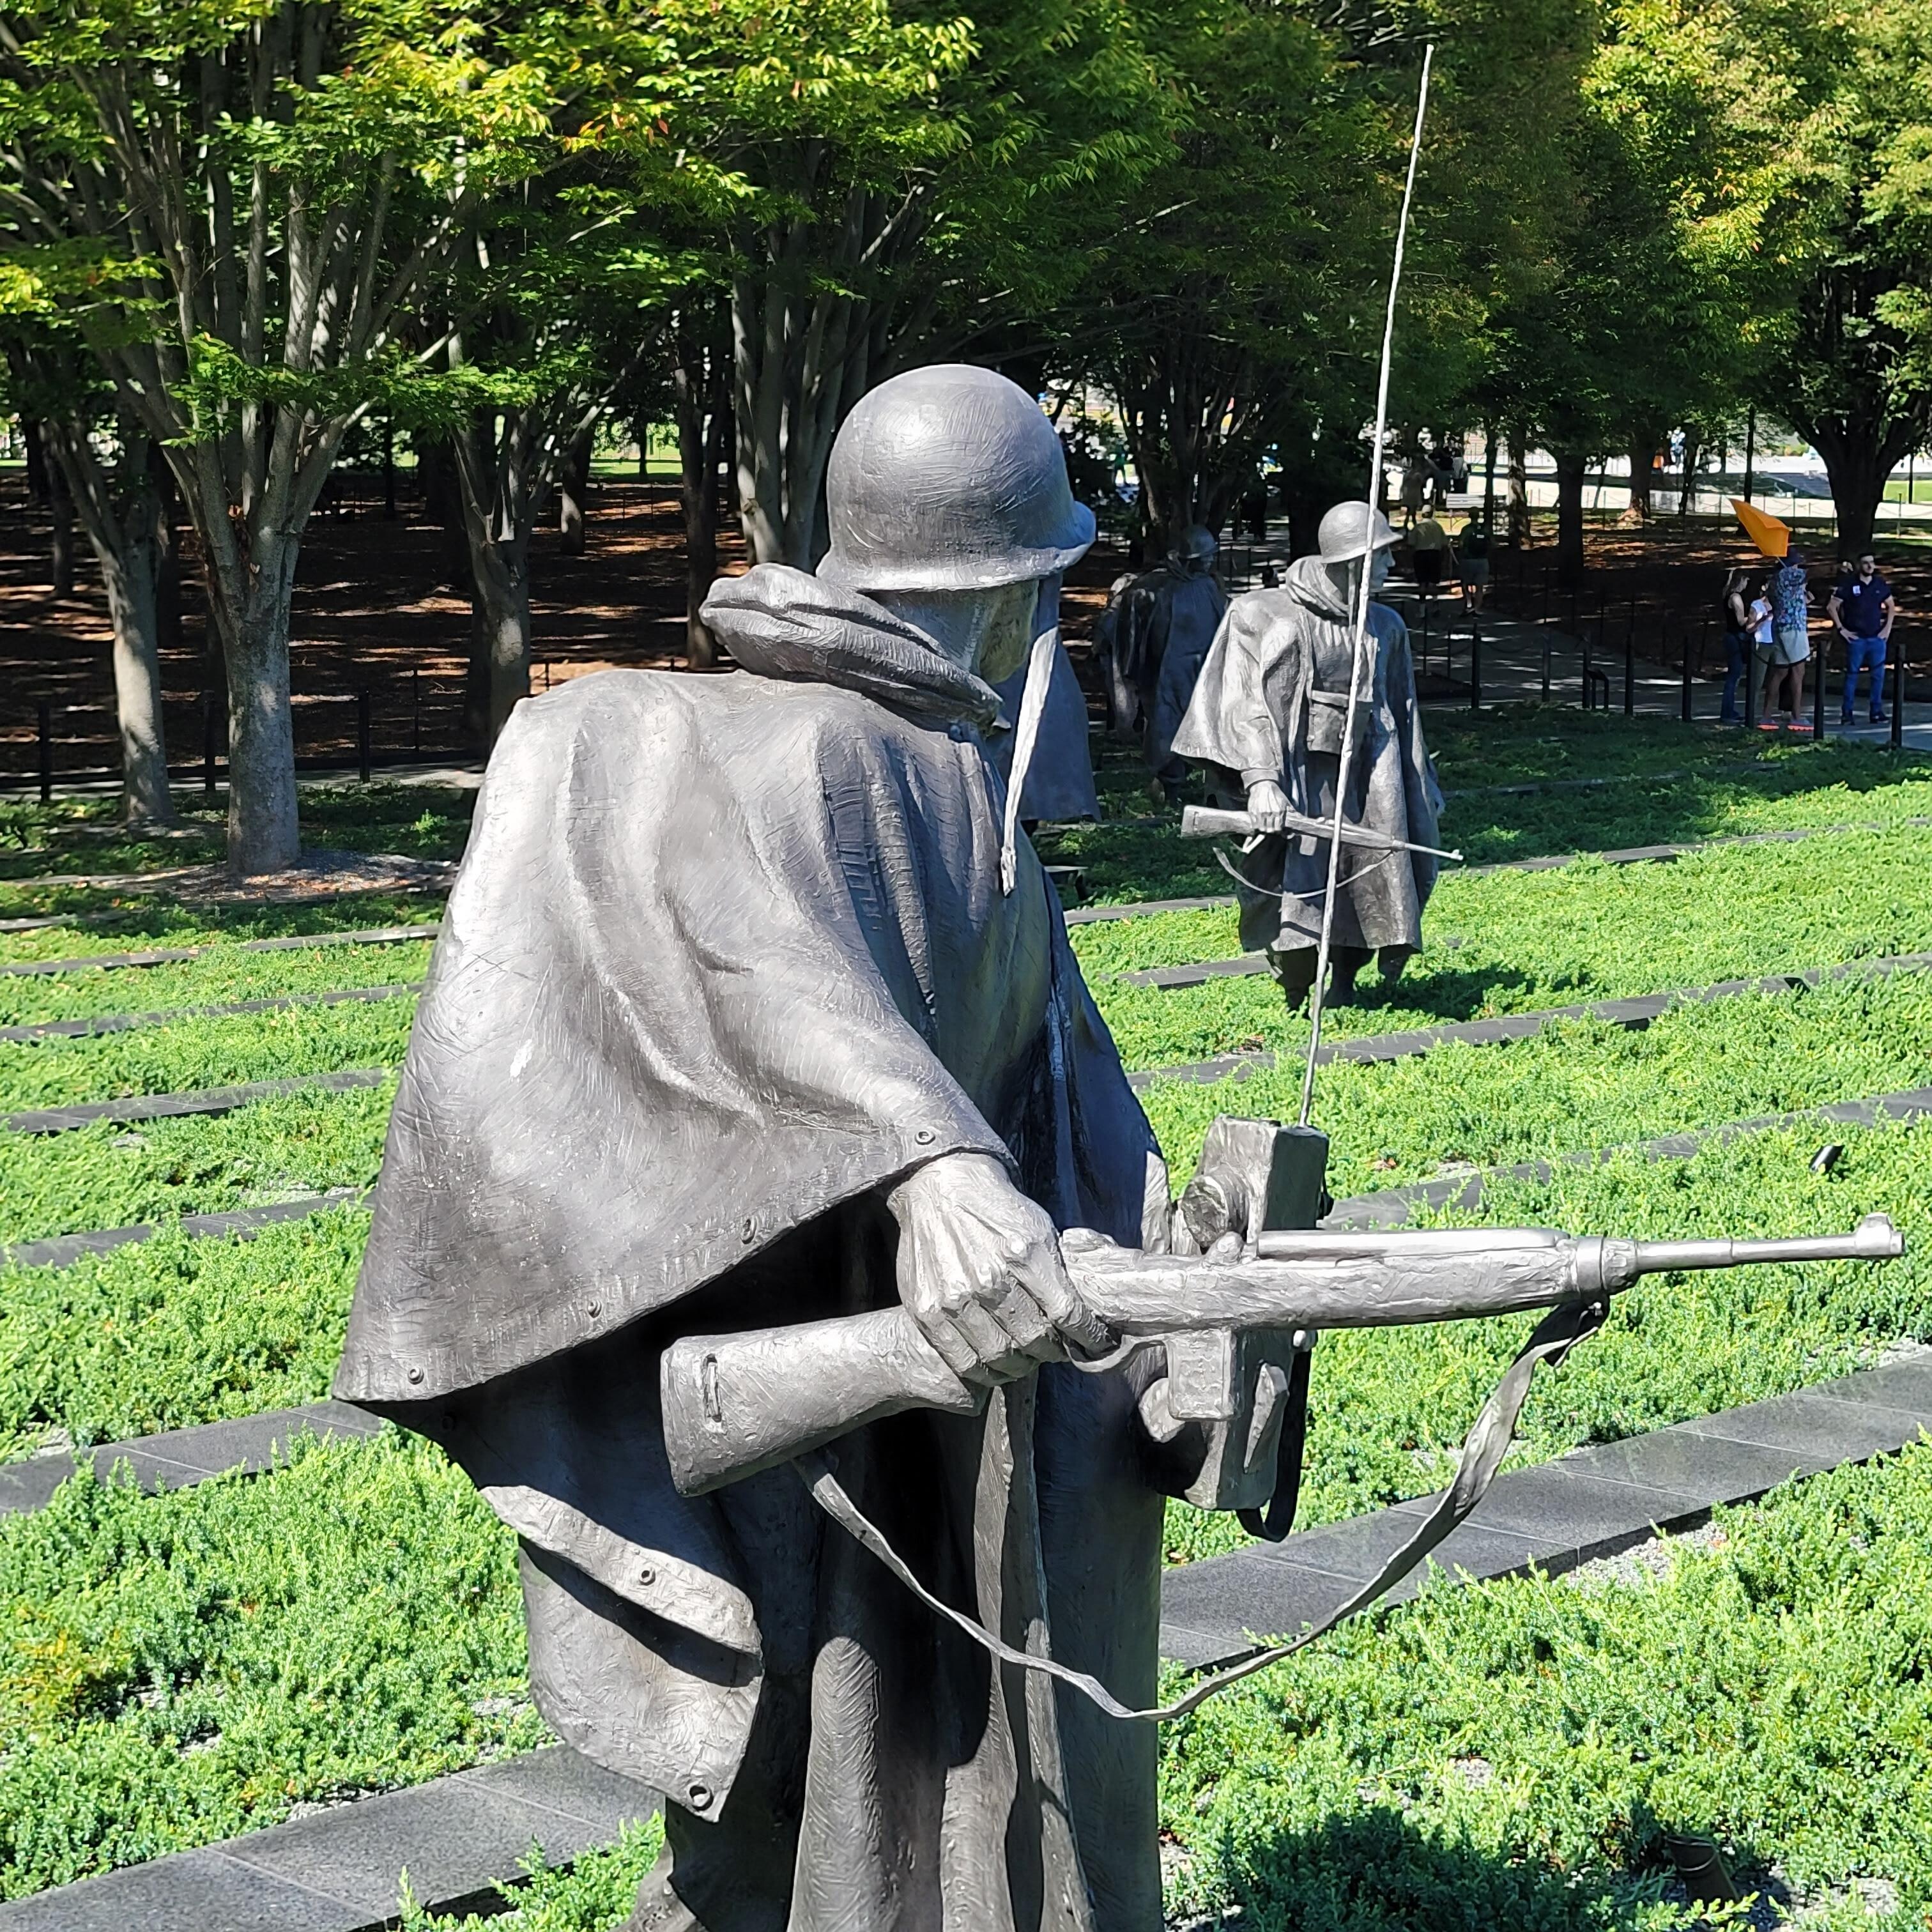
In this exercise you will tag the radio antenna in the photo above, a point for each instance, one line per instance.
(1359, 651)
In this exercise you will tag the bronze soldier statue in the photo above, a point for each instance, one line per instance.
(731, 1024)
(1266, 718)
(1152, 639)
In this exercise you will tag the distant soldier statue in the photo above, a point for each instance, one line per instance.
(1266, 718)
(1153, 639)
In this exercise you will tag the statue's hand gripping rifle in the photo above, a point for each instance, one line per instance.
(737, 1404)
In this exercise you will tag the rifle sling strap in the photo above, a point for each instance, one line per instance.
(1272, 1525)
(1557, 1332)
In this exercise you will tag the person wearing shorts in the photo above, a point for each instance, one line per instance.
(1428, 546)
(1783, 666)
(1471, 555)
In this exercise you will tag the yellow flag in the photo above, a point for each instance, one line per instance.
(1771, 536)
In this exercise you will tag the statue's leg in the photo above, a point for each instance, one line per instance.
(1345, 966)
(1392, 959)
(734, 1873)
(1294, 970)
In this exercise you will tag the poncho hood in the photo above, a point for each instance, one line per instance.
(1308, 582)
(784, 623)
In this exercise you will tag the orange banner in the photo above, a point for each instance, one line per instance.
(1771, 536)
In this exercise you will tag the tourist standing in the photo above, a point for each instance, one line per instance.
(1790, 644)
(1428, 545)
(1861, 608)
(1471, 556)
(1738, 624)
(1414, 482)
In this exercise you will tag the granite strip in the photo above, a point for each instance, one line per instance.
(340, 1870)
(62, 1250)
(208, 1100)
(181, 1458)
(169, 955)
(1554, 1516)
(107, 1023)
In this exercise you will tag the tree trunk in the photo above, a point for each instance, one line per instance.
(252, 617)
(1519, 492)
(702, 391)
(1643, 451)
(60, 512)
(1858, 468)
(124, 518)
(1570, 469)
(499, 507)
(573, 493)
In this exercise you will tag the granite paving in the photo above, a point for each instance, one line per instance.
(106, 1023)
(206, 1100)
(169, 956)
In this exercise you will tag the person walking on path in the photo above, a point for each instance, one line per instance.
(1738, 624)
(1862, 609)
(1428, 546)
(1414, 481)
(1470, 557)
(1790, 644)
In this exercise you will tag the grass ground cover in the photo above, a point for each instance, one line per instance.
(83, 835)
(1513, 1754)
(141, 926)
(180, 1668)
(1514, 942)
(169, 1333)
(1390, 1406)
(220, 978)
(196, 1053)
(1583, 1083)
(109, 1175)
(1670, 787)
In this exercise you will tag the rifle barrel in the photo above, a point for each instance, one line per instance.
(1874, 1239)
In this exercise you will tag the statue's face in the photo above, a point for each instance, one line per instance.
(1006, 629)
(1379, 567)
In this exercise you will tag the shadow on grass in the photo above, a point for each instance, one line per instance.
(1378, 1871)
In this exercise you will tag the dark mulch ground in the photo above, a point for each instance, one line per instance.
(376, 609)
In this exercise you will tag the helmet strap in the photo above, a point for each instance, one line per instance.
(1026, 732)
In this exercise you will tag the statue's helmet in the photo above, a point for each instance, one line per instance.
(1353, 530)
(949, 478)
(1194, 550)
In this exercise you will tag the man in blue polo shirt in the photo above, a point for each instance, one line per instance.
(1862, 609)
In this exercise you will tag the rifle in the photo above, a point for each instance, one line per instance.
(737, 1404)
(1207, 821)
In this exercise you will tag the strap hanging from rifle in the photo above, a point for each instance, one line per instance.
(1482, 1453)
(1274, 1524)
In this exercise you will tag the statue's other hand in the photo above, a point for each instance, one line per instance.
(1267, 806)
(979, 1270)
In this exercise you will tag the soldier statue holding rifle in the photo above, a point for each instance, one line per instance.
(768, 1227)
(1267, 719)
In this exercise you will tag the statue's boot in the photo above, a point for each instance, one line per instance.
(1345, 966)
(1294, 970)
(1392, 959)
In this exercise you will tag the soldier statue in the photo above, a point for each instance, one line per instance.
(732, 1024)
(1153, 638)
(1268, 719)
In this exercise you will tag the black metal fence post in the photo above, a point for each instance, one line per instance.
(1584, 640)
(1476, 664)
(363, 734)
(44, 719)
(210, 743)
(1687, 677)
(1630, 670)
(1824, 665)
(1898, 699)
(415, 712)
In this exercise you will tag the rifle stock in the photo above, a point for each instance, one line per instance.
(736, 1404)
